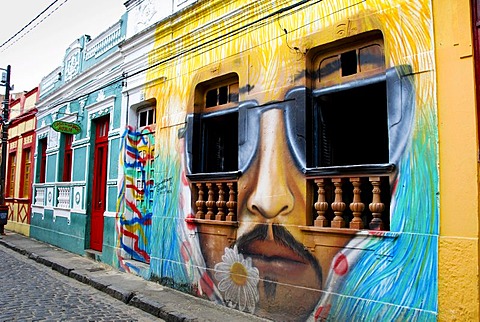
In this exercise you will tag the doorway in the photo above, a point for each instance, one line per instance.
(99, 185)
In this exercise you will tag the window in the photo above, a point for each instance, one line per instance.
(351, 127)
(349, 115)
(146, 116)
(12, 163)
(215, 139)
(359, 62)
(219, 143)
(144, 175)
(42, 148)
(67, 158)
(221, 95)
(26, 162)
(145, 153)
(357, 128)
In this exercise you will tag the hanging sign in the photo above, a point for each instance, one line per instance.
(66, 127)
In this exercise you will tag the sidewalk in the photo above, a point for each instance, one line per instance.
(158, 300)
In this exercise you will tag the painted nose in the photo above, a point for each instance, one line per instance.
(271, 196)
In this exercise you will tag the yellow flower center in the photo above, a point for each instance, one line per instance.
(238, 273)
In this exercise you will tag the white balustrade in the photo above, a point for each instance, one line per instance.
(40, 196)
(63, 200)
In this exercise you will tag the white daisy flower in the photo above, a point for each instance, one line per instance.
(238, 280)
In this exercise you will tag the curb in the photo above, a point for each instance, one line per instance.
(129, 298)
(171, 305)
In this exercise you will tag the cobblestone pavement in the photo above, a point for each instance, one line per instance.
(30, 291)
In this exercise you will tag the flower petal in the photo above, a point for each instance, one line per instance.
(232, 293)
(224, 284)
(251, 297)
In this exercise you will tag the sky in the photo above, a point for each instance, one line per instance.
(42, 49)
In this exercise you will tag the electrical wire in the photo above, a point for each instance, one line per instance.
(259, 22)
(31, 22)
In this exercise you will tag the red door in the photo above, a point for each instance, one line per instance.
(99, 183)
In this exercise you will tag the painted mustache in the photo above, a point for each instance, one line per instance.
(285, 246)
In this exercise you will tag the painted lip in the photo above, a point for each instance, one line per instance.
(276, 261)
(269, 250)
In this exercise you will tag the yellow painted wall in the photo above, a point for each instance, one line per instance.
(15, 222)
(30, 102)
(458, 281)
(20, 135)
(15, 110)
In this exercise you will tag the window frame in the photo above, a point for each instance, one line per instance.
(12, 168)
(148, 110)
(25, 181)
(318, 56)
(143, 173)
(399, 105)
(218, 85)
(317, 138)
(399, 99)
(67, 158)
(42, 160)
(200, 146)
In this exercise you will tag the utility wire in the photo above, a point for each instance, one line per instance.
(31, 22)
(126, 75)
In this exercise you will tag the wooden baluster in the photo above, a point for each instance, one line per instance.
(231, 203)
(200, 203)
(220, 202)
(357, 206)
(210, 202)
(338, 206)
(321, 205)
(377, 206)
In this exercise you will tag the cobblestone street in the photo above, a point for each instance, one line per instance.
(30, 291)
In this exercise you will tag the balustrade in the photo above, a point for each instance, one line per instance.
(359, 201)
(216, 207)
(40, 196)
(63, 199)
(341, 202)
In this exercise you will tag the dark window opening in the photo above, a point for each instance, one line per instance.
(222, 95)
(67, 158)
(43, 160)
(350, 127)
(143, 119)
(217, 147)
(150, 118)
(211, 98)
(349, 62)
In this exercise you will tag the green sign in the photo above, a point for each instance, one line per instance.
(66, 127)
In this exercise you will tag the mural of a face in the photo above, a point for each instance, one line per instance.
(274, 199)
(271, 207)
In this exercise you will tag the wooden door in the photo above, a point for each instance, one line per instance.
(99, 185)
